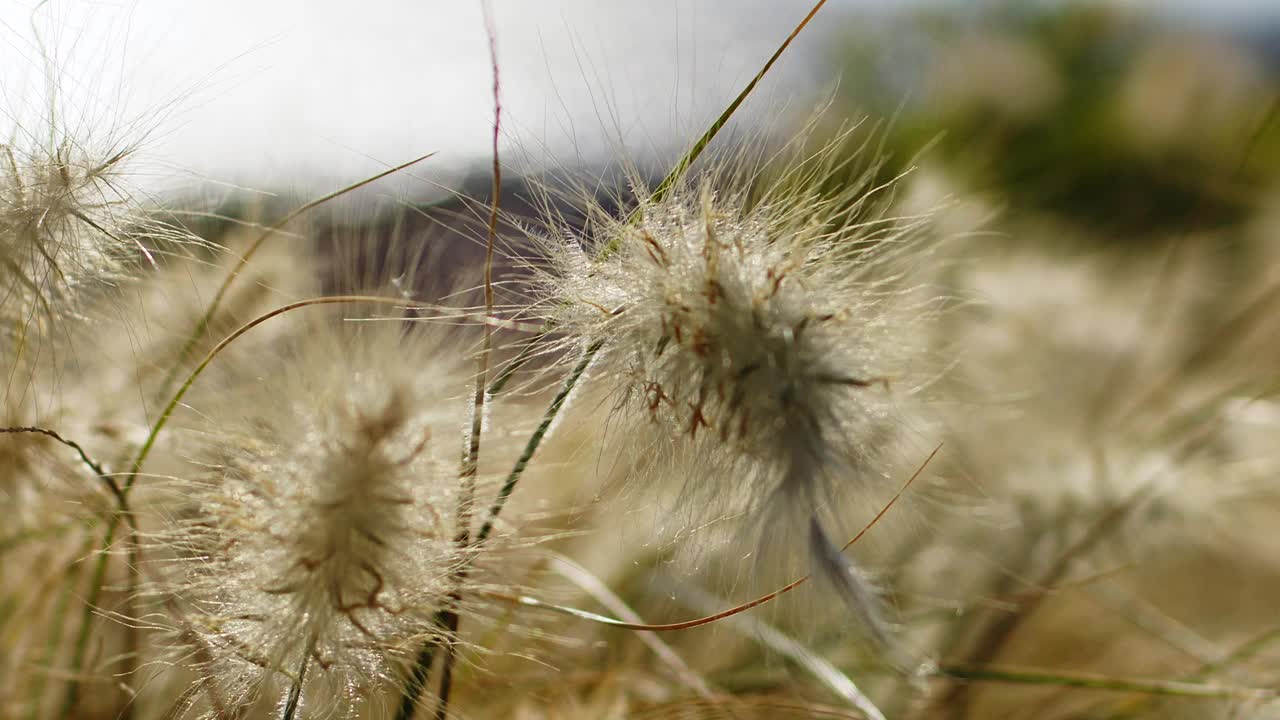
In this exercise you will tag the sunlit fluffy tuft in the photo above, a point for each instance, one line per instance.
(321, 537)
(768, 334)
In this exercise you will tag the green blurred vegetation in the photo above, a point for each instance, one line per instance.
(1126, 126)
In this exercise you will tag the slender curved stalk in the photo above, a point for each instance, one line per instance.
(535, 440)
(55, 631)
(203, 326)
(417, 681)
(295, 688)
(519, 361)
(172, 405)
(446, 665)
(84, 457)
(471, 463)
(80, 649)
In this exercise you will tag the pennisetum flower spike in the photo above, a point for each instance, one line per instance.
(767, 333)
(320, 541)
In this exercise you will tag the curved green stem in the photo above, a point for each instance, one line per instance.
(535, 440)
(202, 327)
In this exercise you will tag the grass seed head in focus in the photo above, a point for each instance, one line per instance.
(764, 326)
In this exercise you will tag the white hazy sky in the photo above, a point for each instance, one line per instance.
(272, 92)
(291, 90)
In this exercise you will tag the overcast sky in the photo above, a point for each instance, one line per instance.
(295, 92)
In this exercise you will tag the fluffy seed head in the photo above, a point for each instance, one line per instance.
(323, 533)
(61, 226)
(764, 328)
(770, 329)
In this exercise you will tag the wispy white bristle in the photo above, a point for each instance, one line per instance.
(325, 526)
(768, 333)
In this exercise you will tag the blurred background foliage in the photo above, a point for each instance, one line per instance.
(1126, 124)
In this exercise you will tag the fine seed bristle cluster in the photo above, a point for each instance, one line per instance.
(771, 334)
(322, 531)
(62, 219)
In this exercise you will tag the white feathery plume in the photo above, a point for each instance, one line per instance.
(322, 533)
(768, 333)
(68, 221)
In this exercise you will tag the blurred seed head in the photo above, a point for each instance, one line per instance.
(324, 525)
(68, 221)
